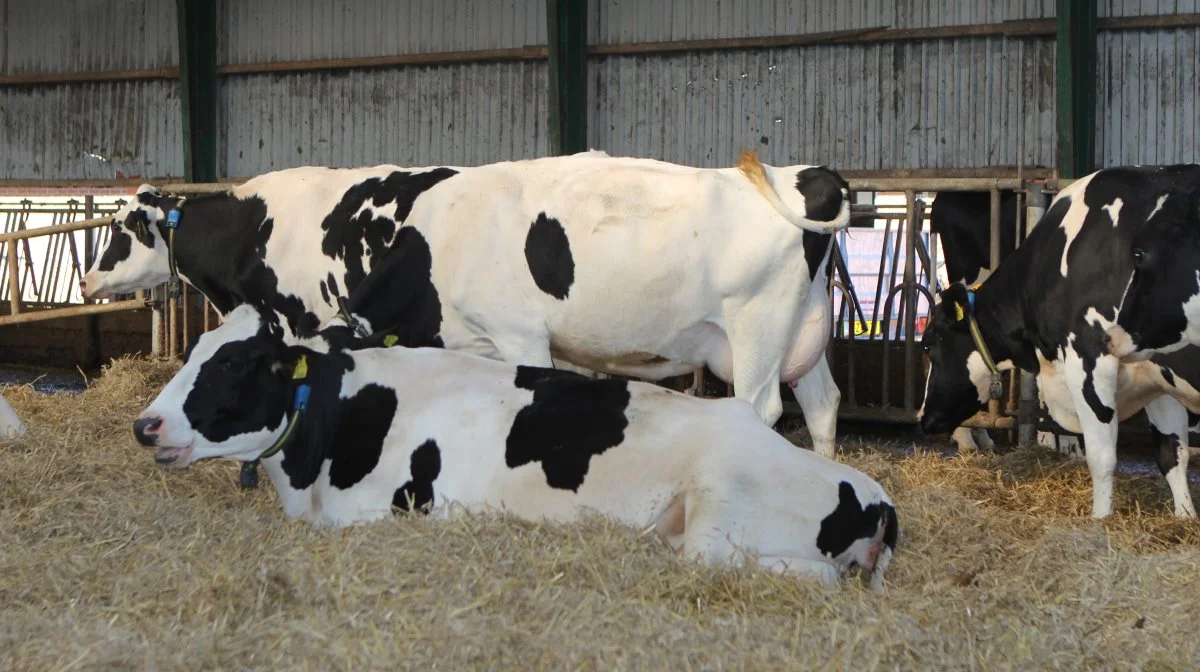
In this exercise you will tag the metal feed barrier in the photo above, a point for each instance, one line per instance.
(899, 287)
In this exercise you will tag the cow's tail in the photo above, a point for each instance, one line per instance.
(754, 171)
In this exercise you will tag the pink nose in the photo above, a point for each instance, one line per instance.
(146, 429)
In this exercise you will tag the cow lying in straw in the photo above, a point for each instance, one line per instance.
(348, 436)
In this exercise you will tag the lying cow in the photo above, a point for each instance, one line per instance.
(348, 436)
(10, 423)
(1046, 310)
(625, 266)
(1160, 311)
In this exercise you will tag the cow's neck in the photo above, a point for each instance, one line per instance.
(211, 231)
(1002, 326)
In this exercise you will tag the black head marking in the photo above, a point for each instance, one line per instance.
(120, 246)
(851, 521)
(424, 467)
(824, 192)
(238, 390)
(548, 253)
(570, 419)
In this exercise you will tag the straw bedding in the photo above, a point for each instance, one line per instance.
(107, 561)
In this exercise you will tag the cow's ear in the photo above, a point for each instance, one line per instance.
(148, 194)
(955, 303)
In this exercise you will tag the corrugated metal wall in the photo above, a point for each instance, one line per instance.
(947, 103)
(100, 130)
(1148, 100)
(450, 114)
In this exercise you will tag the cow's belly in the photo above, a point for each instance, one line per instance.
(812, 337)
(652, 358)
(1137, 385)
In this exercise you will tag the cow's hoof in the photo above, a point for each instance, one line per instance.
(249, 476)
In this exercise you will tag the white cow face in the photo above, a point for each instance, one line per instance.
(230, 399)
(136, 255)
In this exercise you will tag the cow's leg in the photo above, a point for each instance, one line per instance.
(757, 356)
(1169, 422)
(964, 438)
(1092, 381)
(819, 397)
(983, 439)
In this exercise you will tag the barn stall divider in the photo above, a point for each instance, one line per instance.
(863, 360)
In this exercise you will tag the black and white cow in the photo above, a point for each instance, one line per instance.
(962, 221)
(10, 423)
(626, 266)
(1046, 309)
(347, 437)
(1160, 311)
(293, 240)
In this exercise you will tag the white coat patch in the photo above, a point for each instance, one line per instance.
(1072, 222)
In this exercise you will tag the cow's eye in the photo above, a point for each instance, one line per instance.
(115, 226)
(1138, 255)
(231, 365)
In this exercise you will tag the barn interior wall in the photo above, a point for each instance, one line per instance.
(955, 102)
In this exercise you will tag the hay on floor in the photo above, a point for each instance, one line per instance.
(109, 561)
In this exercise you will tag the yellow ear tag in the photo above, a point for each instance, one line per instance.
(301, 370)
(390, 340)
(958, 312)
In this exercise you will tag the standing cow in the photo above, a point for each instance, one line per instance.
(962, 221)
(628, 266)
(1046, 309)
(1160, 311)
(347, 437)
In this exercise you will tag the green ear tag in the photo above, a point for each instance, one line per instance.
(301, 370)
(390, 340)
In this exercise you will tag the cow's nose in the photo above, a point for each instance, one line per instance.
(146, 430)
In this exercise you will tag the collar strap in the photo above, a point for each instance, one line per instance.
(351, 321)
(174, 216)
(996, 388)
(299, 405)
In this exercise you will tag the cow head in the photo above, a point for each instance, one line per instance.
(958, 384)
(136, 255)
(234, 394)
(1160, 311)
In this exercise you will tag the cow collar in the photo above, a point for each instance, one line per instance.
(996, 389)
(174, 215)
(351, 321)
(299, 405)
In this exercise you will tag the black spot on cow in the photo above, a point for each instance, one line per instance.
(822, 191)
(118, 250)
(333, 285)
(548, 254)
(363, 423)
(1099, 408)
(1167, 375)
(815, 247)
(1167, 455)
(570, 419)
(398, 298)
(851, 521)
(138, 224)
(529, 376)
(424, 467)
(350, 234)
(325, 293)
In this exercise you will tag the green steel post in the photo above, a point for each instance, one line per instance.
(198, 87)
(1076, 73)
(567, 31)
